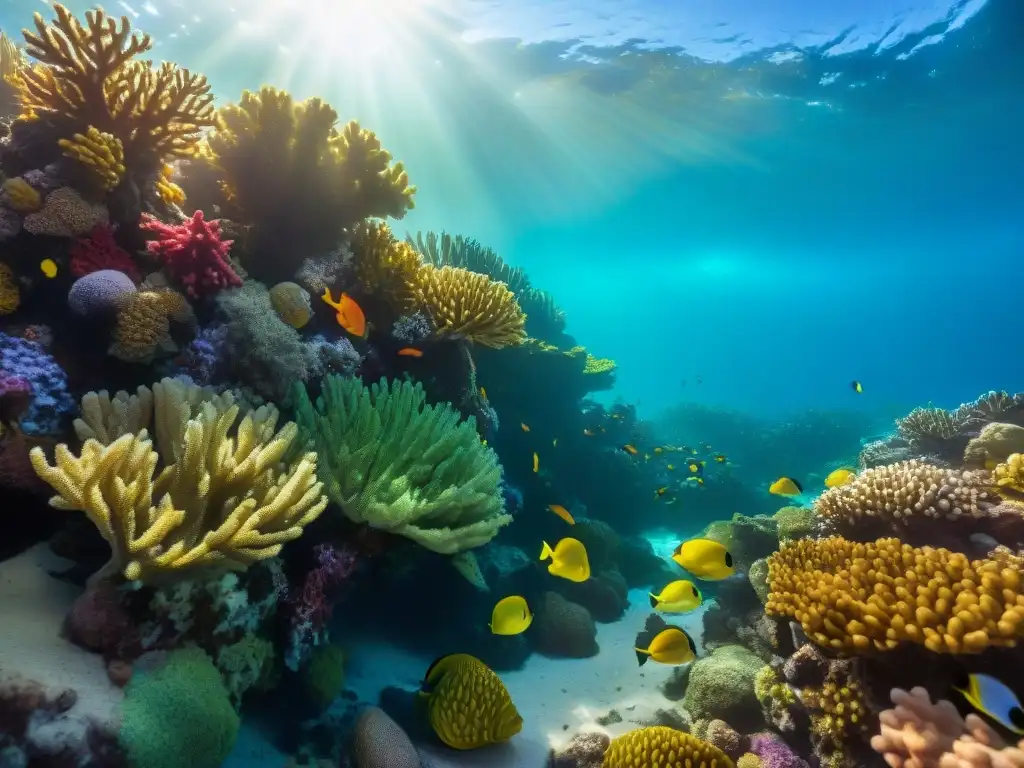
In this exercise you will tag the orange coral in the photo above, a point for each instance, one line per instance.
(859, 597)
(144, 325)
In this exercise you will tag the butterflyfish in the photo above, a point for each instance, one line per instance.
(837, 478)
(678, 597)
(349, 314)
(536, 462)
(524, 427)
(48, 267)
(554, 443)
(856, 386)
(568, 560)
(704, 558)
(410, 352)
(991, 697)
(786, 486)
(664, 643)
(630, 449)
(562, 512)
(511, 616)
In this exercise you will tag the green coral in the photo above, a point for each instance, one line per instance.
(795, 522)
(324, 678)
(178, 715)
(721, 687)
(397, 464)
(245, 665)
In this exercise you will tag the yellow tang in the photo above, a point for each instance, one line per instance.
(678, 597)
(786, 486)
(839, 477)
(511, 615)
(536, 462)
(706, 559)
(568, 560)
(48, 267)
(664, 643)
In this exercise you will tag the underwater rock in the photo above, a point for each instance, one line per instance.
(98, 622)
(564, 629)
(721, 686)
(640, 566)
(757, 574)
(585, 750)
(605, 595)
(379, 742)
(602, 543)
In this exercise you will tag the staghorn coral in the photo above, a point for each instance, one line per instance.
(858, 597)
(906, 497)
(221, 498)
(384, 265)
(143, 327)
(193, 253)
(102, 153)
(444, 250)
(10, 293)
(65, 213)
(464, 304)
(658, 746)
(21, 196)
(88, 75)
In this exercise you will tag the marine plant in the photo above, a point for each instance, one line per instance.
(211, 495)
(397, 464)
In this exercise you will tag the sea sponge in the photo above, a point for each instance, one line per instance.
(467, 704)
(21, 196)
(902, 496)
(10, 294)
(66, 214)
(395, 463)
(379, 742)
(324, 677)
(385, 266)
(464, 304)
(749, 760)
(101, 292)
(721, 687)
(563, 629)
(144, 325)
(246, 664)
(658, 746)
(102, 153)
(858, 597)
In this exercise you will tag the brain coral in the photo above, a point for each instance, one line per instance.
(100, 292)
(564, 629)
(857, 597)
(661, 747)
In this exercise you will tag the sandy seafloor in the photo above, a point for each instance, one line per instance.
(549, 693)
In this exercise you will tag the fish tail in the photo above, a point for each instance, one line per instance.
(546, 551)
(654, 600)
(641, 656)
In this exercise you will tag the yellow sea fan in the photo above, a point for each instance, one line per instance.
(464, 304)
(101, 152)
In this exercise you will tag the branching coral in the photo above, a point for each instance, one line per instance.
(221, 499)
(390, 460)
(857, 597)
(88, 75)
(444, 250)
(144, 325)
(97, 251)
(385, 266)
(464, 304)
(102, 153)
(193, 253)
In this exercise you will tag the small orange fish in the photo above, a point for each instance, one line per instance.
(524, 427)
(536, 462)
(630, 449)
(410, 352)
(588, 432)
(350, 315)
(562, 512)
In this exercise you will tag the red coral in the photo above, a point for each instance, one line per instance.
(98, 250)
(193, 253)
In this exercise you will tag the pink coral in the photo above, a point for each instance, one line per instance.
(97, 251)
(193, 253)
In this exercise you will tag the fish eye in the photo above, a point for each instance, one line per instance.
(728, 560)
(1016, 716)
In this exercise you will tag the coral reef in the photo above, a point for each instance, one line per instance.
(99, 251)
(193, 254)
(662, 747)
(51, 403)
(564, 629)
(466, 305)
(379, 742)
(721, 686)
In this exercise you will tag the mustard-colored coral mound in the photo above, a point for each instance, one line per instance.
(467, 704)
(385, 266)
(895, 496)
(65, 213)
(87, 74)
(661, 747)
(21, 196)
(144, 325)
(1009, 478)
(862, 597)
(840, 713)
(464, 304)
(10, 294)
(102, 153)
(211, 494)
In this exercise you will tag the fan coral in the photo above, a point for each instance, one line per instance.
(99, 251)
(21, 196)
(900, 496)
(88, 76)
(390, 460)
(298, 181)
(102, 153)
(384, 265)
(444, 250)
(101, 292)
(855, 597)
(10, 294)
(661, 747)
(193, 253)
(51, 401)
(144, 325)
(65, 214)
(464, 304)
(222, 499)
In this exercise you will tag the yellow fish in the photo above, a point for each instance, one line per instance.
(696, 467)
(991, 697)
(664, 643)
(562, 512)
(630, 449)
(856, 385)
(511, 616)
(568, 560)
(536, 462)
(48, 267)
(839, 477)
(483, 393)
(678, 597)
(524, 427)
(786, 486)
(720, 458)
(671, 467)
(588, 432)
(705, 559)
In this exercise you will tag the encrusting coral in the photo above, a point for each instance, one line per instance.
(857, 597)
(397, 464)
(659, 746)
(464, 304)
(221, 498)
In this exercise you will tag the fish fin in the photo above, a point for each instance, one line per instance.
(641, 656)
(654, 601)
(1016, 720)
(546, 551)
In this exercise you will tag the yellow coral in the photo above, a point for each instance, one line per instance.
(659, 746)
(467, 704)
(839, 714)
(1009, 478)
(749, 760)
(858, 597)
(22, 196)
(384, 265)
(88, 75)
(166, 189)
(597, 365)
(144, 324)
(222, 498)
(10, 294)
(464, 304)
(771, 691)
(101, 152)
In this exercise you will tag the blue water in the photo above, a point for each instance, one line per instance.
(771, 197)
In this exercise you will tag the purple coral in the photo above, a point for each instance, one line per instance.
(204, 357)
(313, 606)
(15, 397)
(774, 752)
(51, 401)
(337, 356)
(99, 293)
(411, 329)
